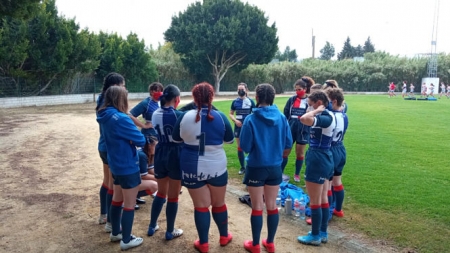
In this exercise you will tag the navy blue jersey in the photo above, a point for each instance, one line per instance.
(163, 121)
(242, 107)
(341, 127)
(295, 108)
(322, 130)
(146, 108)
(203, 156)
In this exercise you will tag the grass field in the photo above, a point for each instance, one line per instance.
(397, 177)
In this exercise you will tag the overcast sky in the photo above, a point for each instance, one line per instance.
(399, 27)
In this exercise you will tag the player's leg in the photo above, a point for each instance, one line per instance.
(201, 197)
(217, 187)
(300, 150)
(158, 203)
(172, 208)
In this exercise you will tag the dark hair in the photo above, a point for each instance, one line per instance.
(335, 93)
(203, 94)
(305, 82)
(110, 79)
(155, 86)
(319, 95)
(331, 84)
(265, 93)
(116, 97)
(170, 92)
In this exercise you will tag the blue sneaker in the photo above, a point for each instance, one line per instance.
(310, 239)
(151, 231)
(323, 236)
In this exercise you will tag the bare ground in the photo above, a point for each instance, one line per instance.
(50, 178)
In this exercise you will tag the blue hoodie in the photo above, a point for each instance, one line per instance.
(265, 134)
(121, 138)
(101, 140)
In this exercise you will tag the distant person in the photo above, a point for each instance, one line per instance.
(431, 90)
(411, 90)
(391, 90)
(404, 89)
(265, 131)
(241, 107)
(448, 91)
(423, 90)
(204, 163)
(442, 90)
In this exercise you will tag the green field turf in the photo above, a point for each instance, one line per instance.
(397, 177)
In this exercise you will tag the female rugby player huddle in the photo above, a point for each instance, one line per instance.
(196, 138)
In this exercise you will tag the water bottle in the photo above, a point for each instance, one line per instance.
(278, 200)
(302, 208)
(296, 208)
(288, 205)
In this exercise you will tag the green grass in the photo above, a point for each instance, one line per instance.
(397, 177)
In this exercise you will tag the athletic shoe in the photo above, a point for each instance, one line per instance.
(202, 248)
(102, 219)
(309, 221)
(174, 234)
(242, 171)
(338, 213)
(136, 207)
(310, 239)
(296, 178)
(140, 201)
(248, 245)
(115, 238)
(108, 227)
(151, 231)
(270, 247)
(323, 236)
(154, 194)
(224, 240)
(134, 242)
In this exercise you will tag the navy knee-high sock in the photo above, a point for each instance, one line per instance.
(116, 212)
(127, 224)
(298, 164)
(220, 216)
(103, 192)
(157, 205)
(202, 221)
(109, 196)
(272, 224)
(316, 219)
(325, 215)
(241, 157)
(283, 164)
(339, 192)
(171, 213)
(256, 220)
(330, 197)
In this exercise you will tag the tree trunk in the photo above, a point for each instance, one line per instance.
(46, 85)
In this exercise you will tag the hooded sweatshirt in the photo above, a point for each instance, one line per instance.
(265, 134)
(121, 138)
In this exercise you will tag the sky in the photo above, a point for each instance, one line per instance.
(399, 27)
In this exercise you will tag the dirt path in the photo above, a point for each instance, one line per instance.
(50, 177)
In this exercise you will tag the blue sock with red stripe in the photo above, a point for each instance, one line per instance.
(272, 224)
(330, 197)
(220, 216)
(256, 220)
(103, 192)
(298, 164)
(171, 213)
(202, 221)
(325, 215)
(316, 219)
(109, 196)
(157, 205)
(116, 212)
(283, 164)
(241, 157)
(339, 193)
(127, 224)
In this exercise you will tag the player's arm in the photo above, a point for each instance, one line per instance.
(176, 137)
(229, 135)
(130, 132)
(246, 137)
(308, 118)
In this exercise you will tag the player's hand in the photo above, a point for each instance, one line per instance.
(320, 109)
(148, 125)
(238, 123)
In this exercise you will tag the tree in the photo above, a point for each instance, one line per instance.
(358, 51)
(221, 34)
(327, 52)
(19, 8)
(287, 55)
(347, 51)
(368, 46)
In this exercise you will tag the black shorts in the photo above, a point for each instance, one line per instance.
(128, 181)
(260, 176)
(104, 156)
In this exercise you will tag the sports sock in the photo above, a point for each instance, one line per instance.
(127, 224)
(299, 164)
(339, 193)
(109, 196)
(325, 215)
(283, 164)
(103, 192)
(272, 224)
(157, 205)
(171, 213)
(241, 157)
(316, 218)
(202, 220)
(116, 211)
(330, 197)
(220, 216)
(256, 220)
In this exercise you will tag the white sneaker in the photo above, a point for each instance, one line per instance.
(134, 242)
(154, 194)
(102, 219)
(115, 238)
(175, 233)
(108, 227)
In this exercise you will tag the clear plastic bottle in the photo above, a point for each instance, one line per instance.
(302, 208)
(278, 200)
(296, 208)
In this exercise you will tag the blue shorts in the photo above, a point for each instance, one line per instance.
(319, 165)
(127, 181)
(104, 156)
(167, 161)
(143, 163)
(237, 131)
(339, 158)
(260, 176)
(300, 133)
(219, 181)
